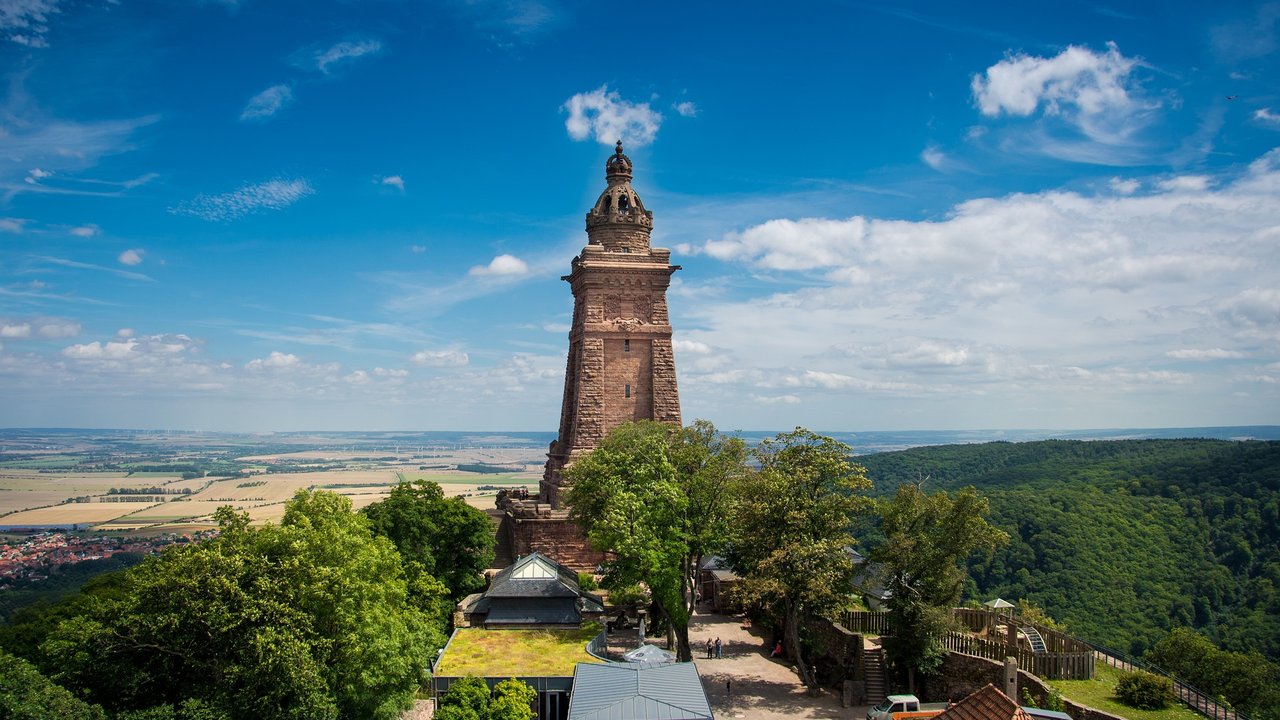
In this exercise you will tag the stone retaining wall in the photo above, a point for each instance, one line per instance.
(962, 675)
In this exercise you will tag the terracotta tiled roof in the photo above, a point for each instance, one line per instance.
(986, 704)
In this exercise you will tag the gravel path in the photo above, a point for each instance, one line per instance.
(763, 688)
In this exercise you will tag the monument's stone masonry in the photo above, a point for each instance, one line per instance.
(620, 367)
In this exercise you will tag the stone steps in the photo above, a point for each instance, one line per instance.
(873, 664)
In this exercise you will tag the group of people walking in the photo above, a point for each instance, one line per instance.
(714, 649)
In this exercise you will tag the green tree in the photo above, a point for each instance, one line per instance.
(450, 539)
(513, 700)
(927, 540)
(307, 619)
(470, 699)
(466, 699)
(791, 542)
(657, 498)
(25, 694)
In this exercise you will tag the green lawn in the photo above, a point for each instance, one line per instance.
(1099, 694)
(516, 653)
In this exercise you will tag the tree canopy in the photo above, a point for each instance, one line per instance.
(657, 498)
(1122, 540)
(452, 541)
(791, 541)
(927, 538)
(306, 619)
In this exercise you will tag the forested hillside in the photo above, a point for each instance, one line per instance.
(1121, 540)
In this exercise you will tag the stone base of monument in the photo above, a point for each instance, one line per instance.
(529, 526)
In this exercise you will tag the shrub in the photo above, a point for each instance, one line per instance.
(587, 581)
(1144, 690)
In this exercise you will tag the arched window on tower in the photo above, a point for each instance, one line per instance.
(624, 203)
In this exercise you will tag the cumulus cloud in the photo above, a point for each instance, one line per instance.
(1079, 78)
(1013, 304)
(693, 347)
(131, 257)
(276, 361)
(603, 115)
(685, 109)
(11, 225)
(394, 181)
(440, 358)
(502, 265)
(340, 53)
(38, 328)
(85, 231)
(275, 194)
(1125, 186)
(1089, 102)
(267, 103)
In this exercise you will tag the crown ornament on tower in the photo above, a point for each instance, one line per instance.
(618, 165)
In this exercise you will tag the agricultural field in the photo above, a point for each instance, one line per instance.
(80, 513)
(111, 476)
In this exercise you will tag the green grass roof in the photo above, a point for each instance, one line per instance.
(516, 653)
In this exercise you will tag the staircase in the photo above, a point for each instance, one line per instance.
(1034, 637)
(873, 666)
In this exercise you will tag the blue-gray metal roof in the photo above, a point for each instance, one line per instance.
(616, 691)
(533, 611)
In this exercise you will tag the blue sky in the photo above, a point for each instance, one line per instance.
(264, 215)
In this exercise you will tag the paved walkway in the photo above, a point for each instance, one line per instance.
(761, 687)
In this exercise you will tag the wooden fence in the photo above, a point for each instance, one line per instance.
(1065, 657)
(1047, 665)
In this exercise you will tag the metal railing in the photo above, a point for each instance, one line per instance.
(1200, 701)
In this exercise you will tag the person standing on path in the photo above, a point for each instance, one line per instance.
(709, 655)
(719, 649)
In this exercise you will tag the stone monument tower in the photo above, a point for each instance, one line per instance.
(621, 367)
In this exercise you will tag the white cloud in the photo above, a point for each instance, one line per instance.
(25, 22)
(1039, 308)
(1125, 186)
(933, 157)
(1184, 183)
(11, 225)
(774, 399)
(275, 194)
(1205, 354)
(1264, 115)
(131, 257)
(267, 103)
(502, 265)
(693, 347)
(417, 249)
(394, 181)
(605, 116)
(1090, 104)
(85, 231)
(685, 109)
(440, 358)
(344, 51)
(1077, 77)
(15, 330)
(36, 175)
(276, 361)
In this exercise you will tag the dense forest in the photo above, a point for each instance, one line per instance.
(1121, 540)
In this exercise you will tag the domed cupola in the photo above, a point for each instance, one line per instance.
(619, 220)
